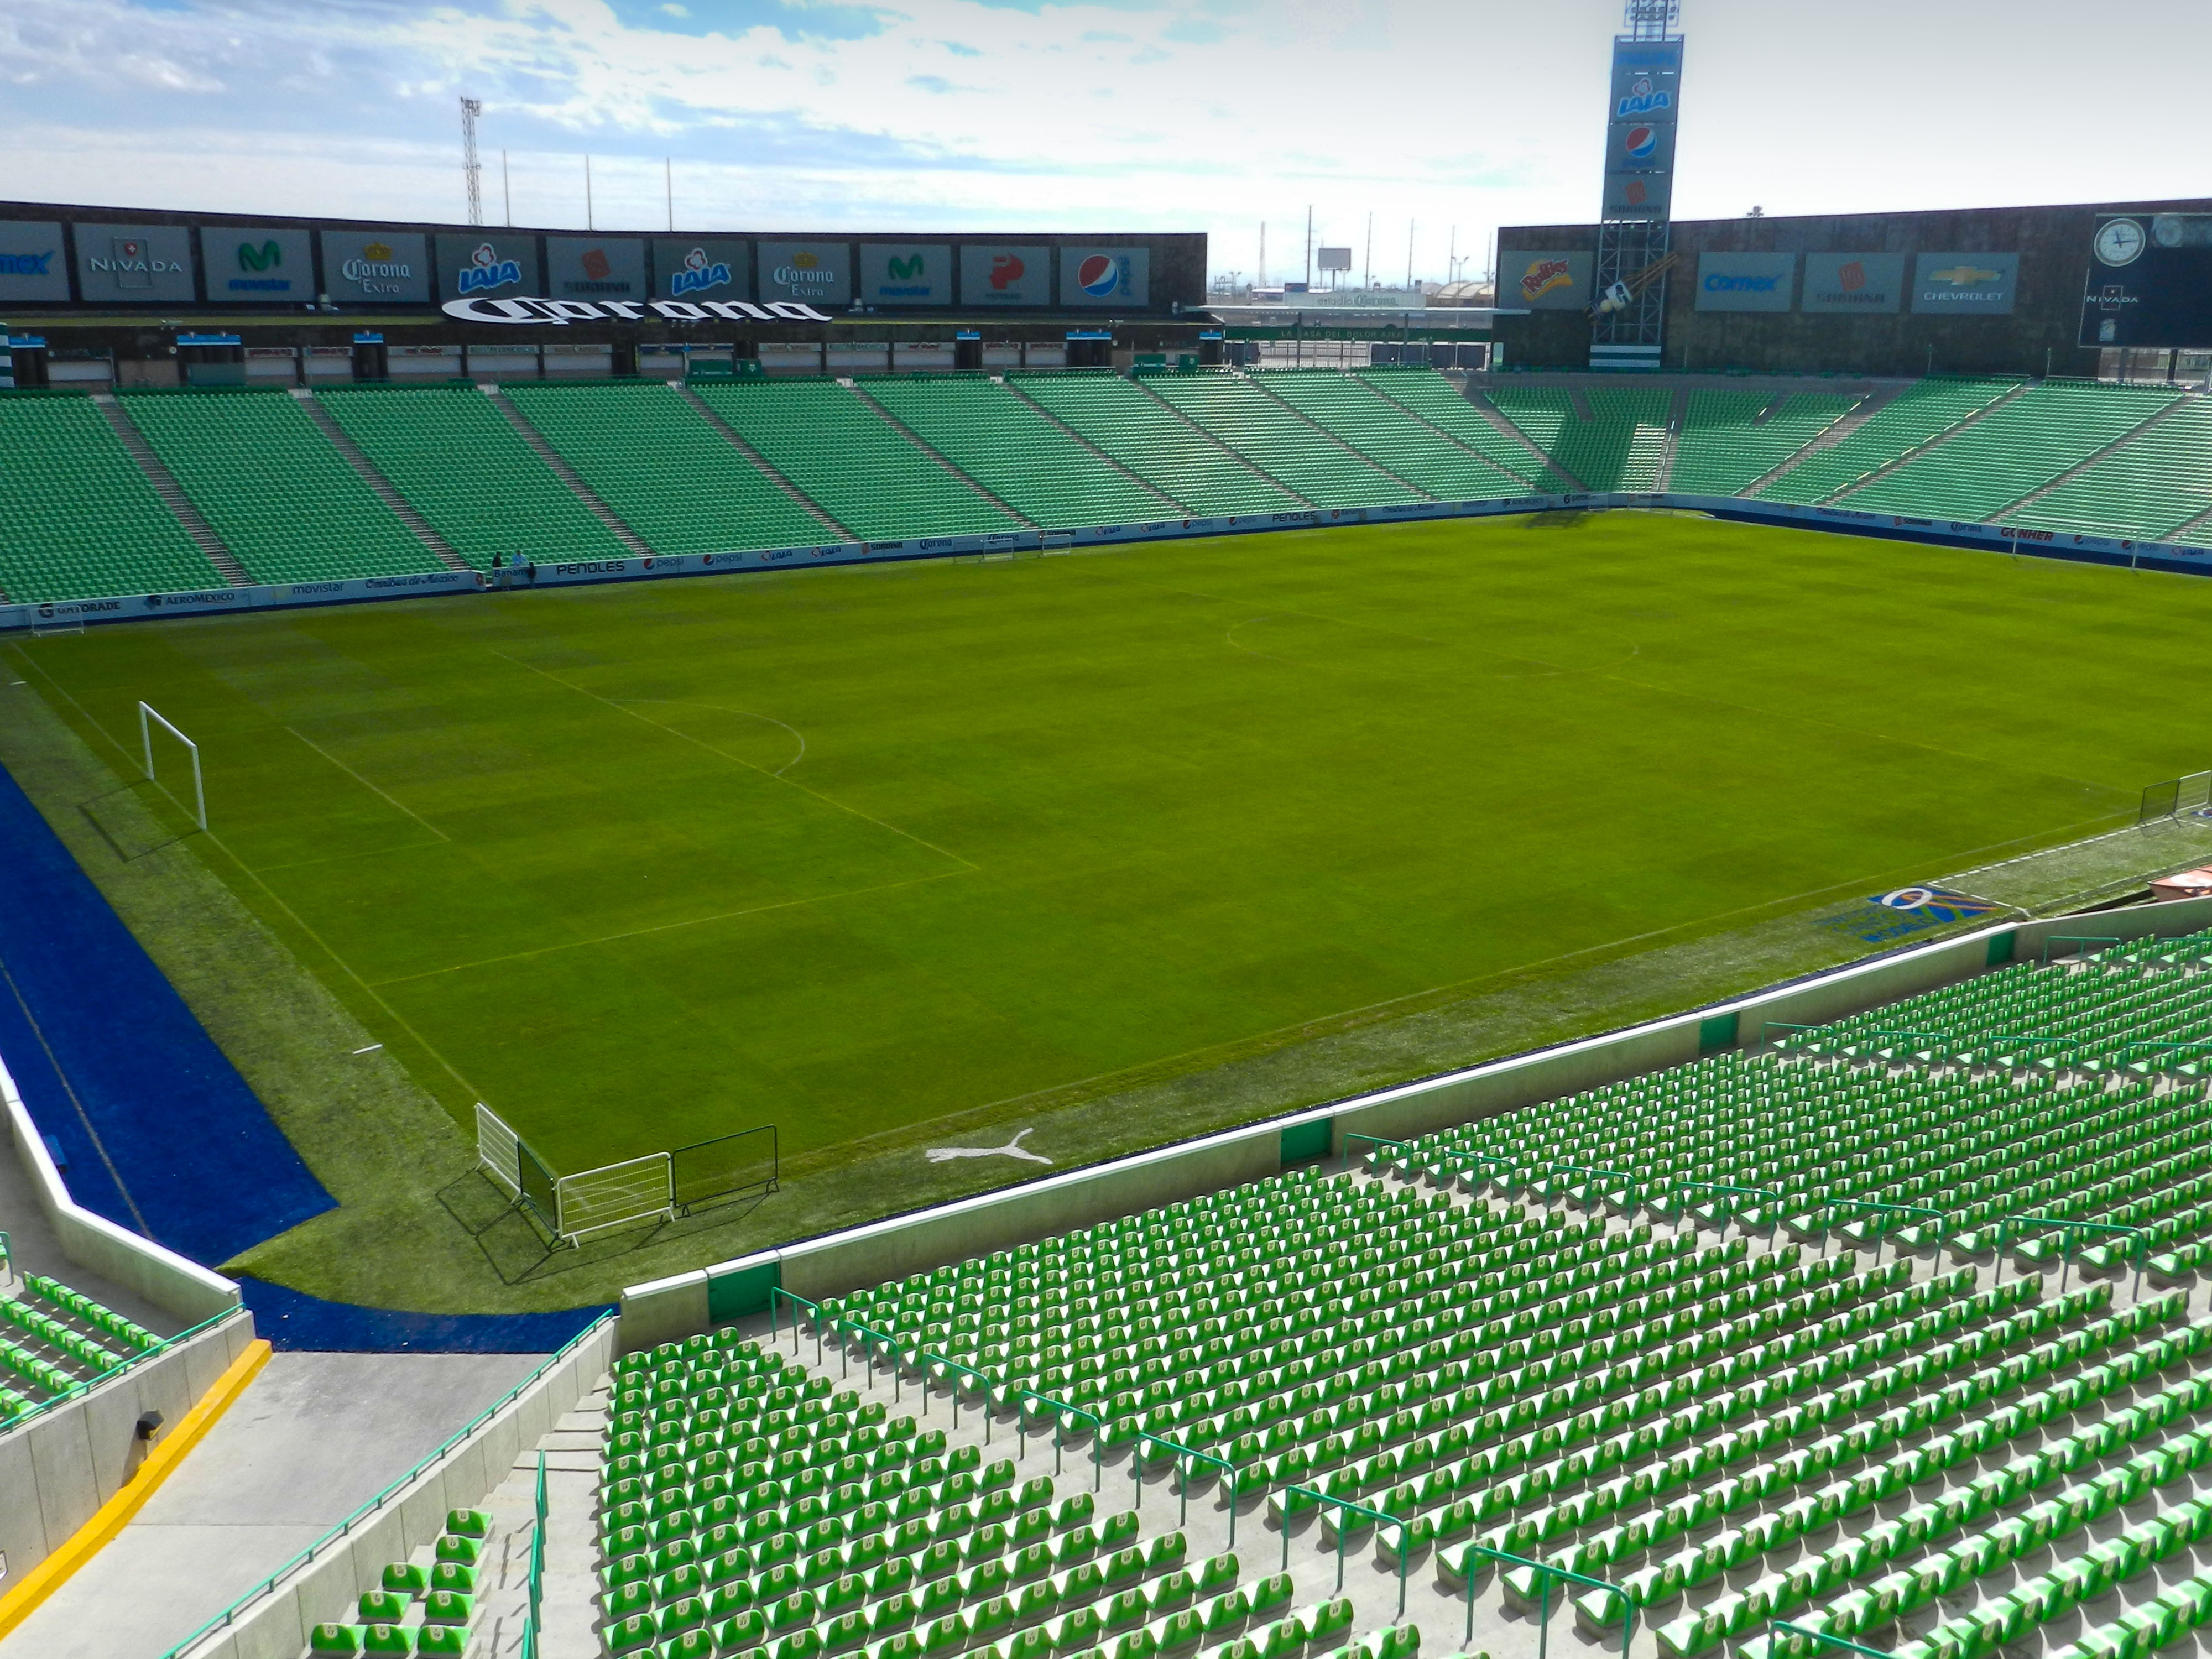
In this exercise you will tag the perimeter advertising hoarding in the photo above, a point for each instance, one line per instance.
(133, 263)
(1105, 276)
(1745, 282)
(906, 273)
(701, 268)
(1974, 284)
(1639, 135)
(1837, 284)
(1545, 279)
(996, 276)
(814, 273)
(486, 265)
(1647, 80)
(595, 268)
(371, 267)
(248, 263)
(32, 265)
(2150, 281)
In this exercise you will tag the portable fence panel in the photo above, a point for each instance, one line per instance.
(724, 1167)
(608, 1197)
(499, 1149)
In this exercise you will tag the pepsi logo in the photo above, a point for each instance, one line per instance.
(1642, 143)
(1101, 277)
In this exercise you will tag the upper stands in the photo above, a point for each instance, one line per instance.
(1373, 425)
(1724, 446)
(2150, 486)
(286, 502)
(2014, 450)
(680, 470)
(1135, 429)
(504, 499)
(666, 473)
(1273, 439)
(1620, 447)
(53, 1339)
(1024, 460)
(862, 470)
(78, 518)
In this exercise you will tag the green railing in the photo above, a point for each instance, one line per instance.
(1936, 1216)
(534, 1620)
(78, 1390)
(1344, 1533)
(1767, 1193)
(797, 1302)
(1546, 1572)
(2075, 938)
(344, 1528)
(1058, 1407)
(1591, 1175)
(2136, 1254)
(1803, 1634)
(1184, 1457)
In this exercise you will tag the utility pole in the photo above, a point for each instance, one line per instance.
(1367, 259)
(589, 222)
(506, 190)
(471, 108)
(668, 177)
(1409, 254)
(1261, 281)
(1308, 245)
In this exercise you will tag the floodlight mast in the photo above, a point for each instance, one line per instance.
(1628, 311)
(471, 108)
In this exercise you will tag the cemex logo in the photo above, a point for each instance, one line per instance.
(1643, 100)
(1717, 283)
(25, 264)
(486, 269)
(699, 274)
(1102, 278)
(1544, 276)
(1006, 270)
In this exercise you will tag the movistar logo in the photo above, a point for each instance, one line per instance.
(905, 270)
(259, 258)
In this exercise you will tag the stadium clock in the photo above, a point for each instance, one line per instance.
(2119, 242)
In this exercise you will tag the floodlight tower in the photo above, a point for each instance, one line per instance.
(471, 108)
(1628, 320)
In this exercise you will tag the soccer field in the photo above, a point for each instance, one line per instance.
(847, 851)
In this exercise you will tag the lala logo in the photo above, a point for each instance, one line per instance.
(1642, 99)
(486, 269)
(699, 274)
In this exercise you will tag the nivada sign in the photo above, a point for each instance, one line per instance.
(561, 313)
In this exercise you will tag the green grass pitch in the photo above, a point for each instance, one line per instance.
(851, 851)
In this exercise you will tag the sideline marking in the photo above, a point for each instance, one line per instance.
(111, 1517)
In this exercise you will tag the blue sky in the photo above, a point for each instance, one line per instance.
(1210, 115)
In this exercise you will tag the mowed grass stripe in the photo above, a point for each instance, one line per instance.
(849, 851)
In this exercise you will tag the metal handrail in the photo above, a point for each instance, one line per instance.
(344, 1528)
(1550, 1572)
(1634, 1185)
(77, 1390)
(1056, 1406)
(2075, 938)
(1768, 1193)
(1184, 1456)
(1937, 1216)
(2066, 1244)
(1343, 1534)
(798, 1302)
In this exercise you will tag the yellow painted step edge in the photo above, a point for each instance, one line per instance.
(51, 1574)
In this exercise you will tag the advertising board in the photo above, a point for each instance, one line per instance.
(486, 263)
(1096, 276)
(1837, 284)
(1640, 126)
(247, 263)
(906, 273)
(130, 264)
(32, 265)
(2149, 282)
(1745, 282)
(595, 268)
(1647, 81)
(376, 266)
(1975, 284)
(1638, 195)
(1545, 279)
(812, 273)
(701, 268)
(996, 274)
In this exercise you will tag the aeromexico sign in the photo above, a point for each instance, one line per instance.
(561, 313)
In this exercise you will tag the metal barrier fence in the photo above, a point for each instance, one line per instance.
(2174, 797)
(77, 1391)
(665, 1185)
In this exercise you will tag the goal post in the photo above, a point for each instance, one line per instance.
(149, 717)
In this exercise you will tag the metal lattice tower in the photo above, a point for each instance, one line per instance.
(1633, 254)
(471, 108)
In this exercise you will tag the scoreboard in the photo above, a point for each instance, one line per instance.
(2149, 282)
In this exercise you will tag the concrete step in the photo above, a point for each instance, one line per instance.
(814, 509)
(166, 485)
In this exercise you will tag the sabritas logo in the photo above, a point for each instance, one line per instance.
(906, 270)
(1545, 274)
(267, 255)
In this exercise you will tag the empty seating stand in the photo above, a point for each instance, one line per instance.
(1353, 411)
(426, 1605)
(1031, 463)
(54, 1340)
(1431, 398)
(1919, 413)
(2014, 450)
(863, 470)
(1275, 439)
(2150, 487)
(469, 473)
(680, 485)
(1137, 430)
(1725, 446)
(78, 518)
(284, 500)
(1619, 448)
